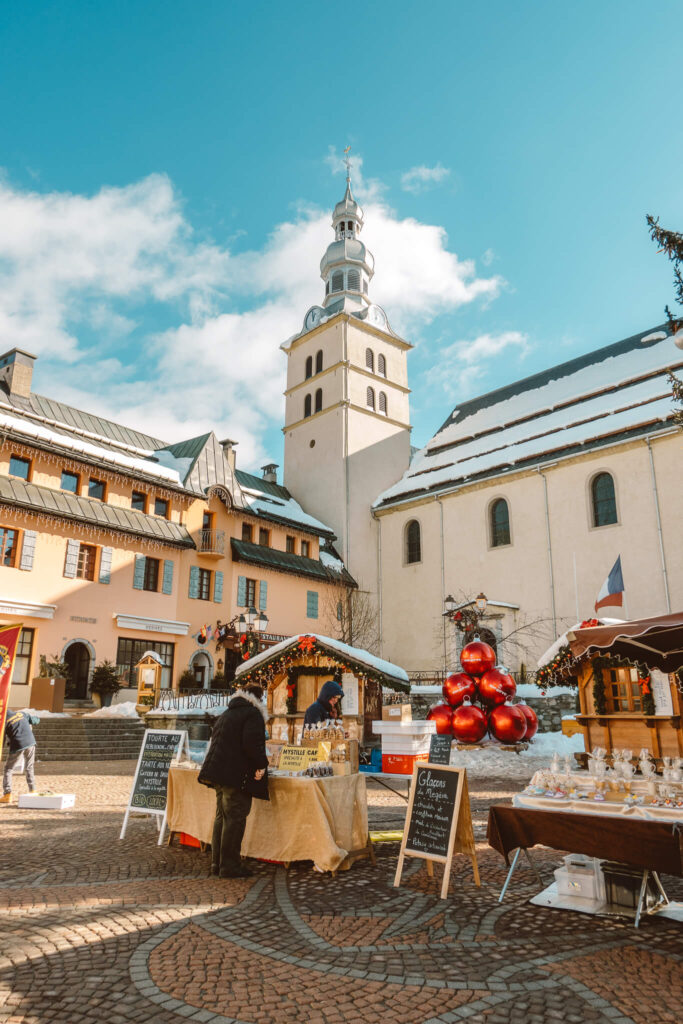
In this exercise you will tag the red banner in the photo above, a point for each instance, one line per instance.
(9, 640)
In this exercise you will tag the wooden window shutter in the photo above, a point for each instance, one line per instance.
(28, 549)
(71, 563)
(139, 572)
(167, 580)
(242, 591)
(194, 582)
(262, 595)
(312, 604)
(105, 565)
(218, 587)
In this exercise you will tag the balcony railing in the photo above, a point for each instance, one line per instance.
(172, 700)
(212, 542)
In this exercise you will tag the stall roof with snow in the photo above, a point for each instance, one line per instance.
(601, 398)
(354, 658)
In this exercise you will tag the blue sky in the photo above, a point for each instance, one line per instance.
(169, 169)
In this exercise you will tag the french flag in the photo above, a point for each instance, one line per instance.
(612, 590)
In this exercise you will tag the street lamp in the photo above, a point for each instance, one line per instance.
(450, 604)
(262, 622)
(251, 616)
(242, 624)
(481, 602)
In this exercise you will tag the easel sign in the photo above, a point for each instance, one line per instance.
(438, 821)
(148, 795)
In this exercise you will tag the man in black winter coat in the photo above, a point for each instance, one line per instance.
(235, 765)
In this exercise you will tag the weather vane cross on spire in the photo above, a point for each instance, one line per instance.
(347, 161)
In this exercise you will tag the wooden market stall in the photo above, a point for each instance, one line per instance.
(630, 684)
(294, 671)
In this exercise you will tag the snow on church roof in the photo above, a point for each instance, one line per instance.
(612, 393)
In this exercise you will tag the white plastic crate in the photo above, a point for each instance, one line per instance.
(47, 801)
(419, 728)
(405, 745)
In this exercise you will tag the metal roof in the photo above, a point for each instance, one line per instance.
(65, 505)
(283, 561)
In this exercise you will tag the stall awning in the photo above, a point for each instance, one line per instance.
(658, 642)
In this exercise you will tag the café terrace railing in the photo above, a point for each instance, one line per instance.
(172, 700)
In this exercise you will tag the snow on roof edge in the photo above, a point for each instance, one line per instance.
(355, 653)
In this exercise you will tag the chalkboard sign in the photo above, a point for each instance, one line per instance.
(440, 749)
(438, 820)
(158, 750)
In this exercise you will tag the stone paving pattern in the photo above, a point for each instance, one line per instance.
(94, 930)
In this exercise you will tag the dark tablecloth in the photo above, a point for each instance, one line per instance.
(657, 845)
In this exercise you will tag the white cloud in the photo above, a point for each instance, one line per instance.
(419, 179)
(488, 257)
(462, 364)
(74, 268)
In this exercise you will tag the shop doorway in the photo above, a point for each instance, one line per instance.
(77, 657)
(201, 669)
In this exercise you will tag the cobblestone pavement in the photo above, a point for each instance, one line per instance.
(93, 929)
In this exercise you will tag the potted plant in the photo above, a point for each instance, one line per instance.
(187, 681)
(105, 682)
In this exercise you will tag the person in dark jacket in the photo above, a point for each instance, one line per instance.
(326, 705)
(21, 754)
(235, 765)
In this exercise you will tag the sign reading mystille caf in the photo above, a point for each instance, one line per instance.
(159, 748)
(438, 820)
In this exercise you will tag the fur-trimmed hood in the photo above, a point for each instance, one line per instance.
(245, 695)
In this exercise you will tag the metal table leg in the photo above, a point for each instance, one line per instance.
(509, 874)
(641, 897)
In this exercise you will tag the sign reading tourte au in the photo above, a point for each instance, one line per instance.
(148, 795)
(438, 820)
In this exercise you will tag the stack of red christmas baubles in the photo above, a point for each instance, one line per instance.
(492, 690)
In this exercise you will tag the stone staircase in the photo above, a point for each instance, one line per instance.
(88, 739)
(79, 707)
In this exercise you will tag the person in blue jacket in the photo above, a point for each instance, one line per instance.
(326, 706)
(21, 753)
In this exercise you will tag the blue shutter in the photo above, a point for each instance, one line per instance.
(312, 604)
(242, 591)
(105, 565)
(28, 549)
(262, 595)
(218, 587)
(167, 581)
(139, 572)
(194, 581)
(71, 564)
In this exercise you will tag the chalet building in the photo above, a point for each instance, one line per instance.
(114, 543)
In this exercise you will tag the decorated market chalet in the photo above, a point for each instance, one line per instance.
(115, 543)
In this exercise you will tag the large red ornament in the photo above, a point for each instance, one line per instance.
(477, 658)
(442, 715)
(531, 720)
(469, 723)
(507, 722)
(458, 686)
(495, 687)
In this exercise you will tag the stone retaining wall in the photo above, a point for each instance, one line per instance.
(548, 709)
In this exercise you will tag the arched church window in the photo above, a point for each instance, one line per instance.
(338, 281)
(382, 403)
(381, 365)
(369, 359)
(604, 500)
(500, 523)
(319, 400)
(307, 406)
(354, 281)
(413, 542)
(309, 367)
(319, 361)
(351, 226)
(370, 398)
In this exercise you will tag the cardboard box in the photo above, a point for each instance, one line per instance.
(47, 694)
(397, 713)
(47, 801)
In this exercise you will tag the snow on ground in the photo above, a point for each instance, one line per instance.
(124, 710)
(44, 714)
(491, 760)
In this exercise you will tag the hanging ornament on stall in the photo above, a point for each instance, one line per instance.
(469, 723)
(507, 723)
(531, 719)
(458, 686)
(477, 658)
(495, 687)
(442, 714)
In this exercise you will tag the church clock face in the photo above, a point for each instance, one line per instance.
(313, 317)
(376, 316)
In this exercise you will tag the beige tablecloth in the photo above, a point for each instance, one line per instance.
(305, 819)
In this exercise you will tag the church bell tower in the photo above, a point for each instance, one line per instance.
(347, 425)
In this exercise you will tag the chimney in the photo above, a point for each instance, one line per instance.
(16, 371)
(228, 447)
(270, 472)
